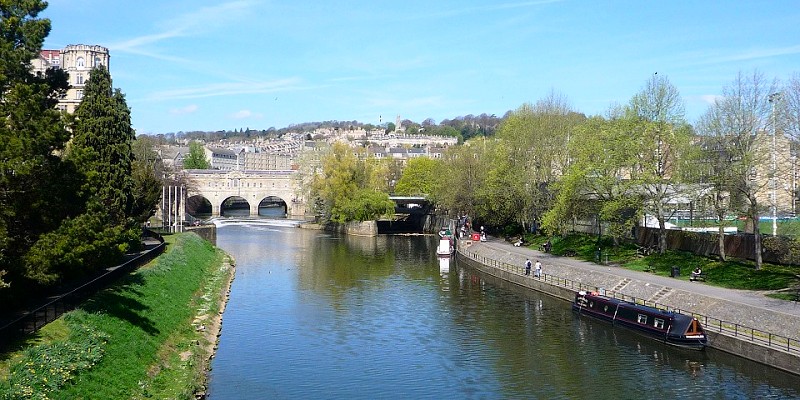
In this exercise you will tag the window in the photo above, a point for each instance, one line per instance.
(79, 94)
(658, 323)
(80, 62)
(97, 62)
(79, 79)
(642, 319)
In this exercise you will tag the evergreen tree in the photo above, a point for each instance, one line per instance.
(101, 152)
(35, 184)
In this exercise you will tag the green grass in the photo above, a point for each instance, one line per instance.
(735, 274)
(133, 340)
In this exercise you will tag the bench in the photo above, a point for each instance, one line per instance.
(650, 268)
(698, 277)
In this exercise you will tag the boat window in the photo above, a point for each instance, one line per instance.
(642, 319)
(591, 304)
(658, 323)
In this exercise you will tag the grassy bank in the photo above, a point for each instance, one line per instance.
(148, 336)
(735, 274)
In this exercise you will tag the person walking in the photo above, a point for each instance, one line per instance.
(537, 273)
(528, 266)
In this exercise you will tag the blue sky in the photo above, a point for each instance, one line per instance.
(209, 65)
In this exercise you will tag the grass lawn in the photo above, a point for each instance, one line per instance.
(735, 274)
(137, 339)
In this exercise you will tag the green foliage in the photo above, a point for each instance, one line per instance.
(196, 159)
(36, 186)
(349, 188)
(419, 177)
(363, 205)
(46, 368)
(147, 185)
(147, 321)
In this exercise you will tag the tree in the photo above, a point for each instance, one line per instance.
(739, 120)
(147, 170)
(532, 157)
(196, 159)
(599, 176)
(661, 137)
(36, 186)
(419, 177)
(345, 188)
(101, 152)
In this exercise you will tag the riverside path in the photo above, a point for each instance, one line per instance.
(744, 314)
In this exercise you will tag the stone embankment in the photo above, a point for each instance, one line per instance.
(745, 323)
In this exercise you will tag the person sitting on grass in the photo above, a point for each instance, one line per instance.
(696, 273)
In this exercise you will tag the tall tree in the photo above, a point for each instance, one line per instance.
(661, 137)
(534, 155)
(101, 152)
(147, 171)
(35, 184)
(740, 119)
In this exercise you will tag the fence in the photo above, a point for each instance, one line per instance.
(733, 329)
(33, 320)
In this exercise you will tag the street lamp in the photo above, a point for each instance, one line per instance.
(773, 98)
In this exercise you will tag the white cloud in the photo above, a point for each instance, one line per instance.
(190, 24)
(710, 98)
(227, 89)
(245, 114)
(184, 110)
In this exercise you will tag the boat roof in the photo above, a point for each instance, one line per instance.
(648, 309)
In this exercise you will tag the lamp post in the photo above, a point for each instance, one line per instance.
(773, 98)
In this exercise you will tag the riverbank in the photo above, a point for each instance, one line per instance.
(150, 335)
(730, 316)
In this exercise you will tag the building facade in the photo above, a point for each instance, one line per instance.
(77, 60)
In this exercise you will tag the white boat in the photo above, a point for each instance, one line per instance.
(445, 248)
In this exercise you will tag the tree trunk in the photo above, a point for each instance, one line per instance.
(721, 236)
(662, 235)
(757, 236)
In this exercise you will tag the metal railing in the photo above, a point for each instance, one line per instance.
(739, 331)
(33, 320)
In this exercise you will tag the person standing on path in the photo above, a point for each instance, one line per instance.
(537, 273)
(528, 266)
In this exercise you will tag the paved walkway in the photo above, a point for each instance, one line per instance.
(748, 308)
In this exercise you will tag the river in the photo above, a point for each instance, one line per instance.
(314, 315)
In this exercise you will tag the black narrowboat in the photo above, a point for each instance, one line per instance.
(673, 328)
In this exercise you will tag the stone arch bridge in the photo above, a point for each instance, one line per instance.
(253, 186)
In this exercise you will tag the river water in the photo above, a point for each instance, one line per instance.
(314, 315)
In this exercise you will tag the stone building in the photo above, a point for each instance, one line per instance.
(77, 60)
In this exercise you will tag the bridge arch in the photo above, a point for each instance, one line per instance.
(235, 206)
(253, 186)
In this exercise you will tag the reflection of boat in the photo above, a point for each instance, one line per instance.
(671, 327)
(444, 265)
(445, 248)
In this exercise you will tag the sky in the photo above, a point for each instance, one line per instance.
(187, 65)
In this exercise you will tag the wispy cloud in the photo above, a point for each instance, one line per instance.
(751, 54)
(709, 98)
(492, 7)
(184, 110)
(228, 89)
(246, 114)
(194, 23)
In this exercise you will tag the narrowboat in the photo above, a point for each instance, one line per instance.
(671, 327)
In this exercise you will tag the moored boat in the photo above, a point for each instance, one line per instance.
(445, 248)
(671, 327)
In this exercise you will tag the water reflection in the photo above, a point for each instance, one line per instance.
(315, 315)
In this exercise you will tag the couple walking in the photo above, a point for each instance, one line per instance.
(537, 272)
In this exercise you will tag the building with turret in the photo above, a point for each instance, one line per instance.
(77, 60)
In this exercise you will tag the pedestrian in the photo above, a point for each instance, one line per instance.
(538, 271)
(528, 266)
